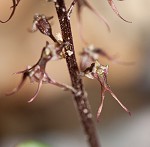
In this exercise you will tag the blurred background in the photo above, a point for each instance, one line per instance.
(51, 117)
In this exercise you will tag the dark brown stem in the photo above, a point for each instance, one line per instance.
(79, 97)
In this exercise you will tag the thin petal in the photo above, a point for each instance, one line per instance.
(89, 6)
(71, 8)
(112, 4)
(101, 104)
(101, 52)
(19, 86)
(13, 11)
(114, 96)
(61, 85)
(123, 62)
(111, 58)
(80, 29)
(64, 86)
(49, 17)
(36, 93)
(105, 87)
(97, 14)
(20, 72)
(17, 2)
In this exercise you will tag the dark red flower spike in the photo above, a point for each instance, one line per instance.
(99, 72)
(37, 73)
(15, 4)
(114, 8)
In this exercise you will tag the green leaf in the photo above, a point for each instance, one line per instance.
(32, 144)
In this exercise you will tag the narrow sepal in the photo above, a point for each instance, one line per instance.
(15, 4)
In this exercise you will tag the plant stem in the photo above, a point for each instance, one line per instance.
(80, 97)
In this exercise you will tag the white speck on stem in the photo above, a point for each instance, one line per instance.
(59, 37)
(85, 111)
(57, 6)
(69, 52)
(78, 93)
(89, 115)
(63, 9)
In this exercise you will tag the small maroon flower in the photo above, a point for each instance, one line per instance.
(99, 72)
(15, 4)
(37, 73)
(87, 58)
(91, 54)
(41, 23)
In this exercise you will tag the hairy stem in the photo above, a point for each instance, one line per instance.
(80, 97)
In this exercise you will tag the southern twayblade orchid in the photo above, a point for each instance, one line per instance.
(90, 54)
(37, 73)
(41, 23)
(100, 72)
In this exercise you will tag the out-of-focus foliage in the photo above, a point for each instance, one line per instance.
(32, 144)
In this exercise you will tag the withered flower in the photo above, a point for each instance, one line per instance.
(87, 4)
(37, 73)
(88, 56)
(100, 72)
(41, 23)
(91, 54)
(15, 4)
